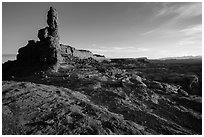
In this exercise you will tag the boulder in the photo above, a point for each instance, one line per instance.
(137, 80)
(43, 33)
(153, 84)
(183, 92)
(190, 83)
(172, 89)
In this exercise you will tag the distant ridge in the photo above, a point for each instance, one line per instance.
(8, 54)
(7, 57)
(183, 57)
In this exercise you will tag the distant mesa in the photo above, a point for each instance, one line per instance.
(67, 50)
(48, 51)
(183, 57)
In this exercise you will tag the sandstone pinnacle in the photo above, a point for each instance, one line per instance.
(47, 50)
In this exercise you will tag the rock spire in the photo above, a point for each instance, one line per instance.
(47, 50)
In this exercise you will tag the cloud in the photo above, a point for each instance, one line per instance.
(185, 42)
(148, 32)
(161, 32)
(118, 52)
(192, 30)
(177, 15)
(128, 49)
(192, 35)
(142, 49)
(190, 41)
(183, 10)
(93, 45)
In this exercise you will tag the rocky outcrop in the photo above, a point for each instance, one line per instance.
(189, 83)
(47, 50)
(143, 60)
(38, 109)
(88, 97)
(67, 50)
(81, 100)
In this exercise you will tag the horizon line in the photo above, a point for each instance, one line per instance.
(12, 54)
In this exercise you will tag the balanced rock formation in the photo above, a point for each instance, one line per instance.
(47, 53)
(47, 50)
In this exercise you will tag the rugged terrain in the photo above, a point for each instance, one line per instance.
(56, 89)
(90, 97)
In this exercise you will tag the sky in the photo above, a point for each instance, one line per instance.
(116, 30)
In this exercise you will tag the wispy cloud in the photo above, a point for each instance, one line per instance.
(185, 42)
(128, 49)
(192, 30)
(192, 35)
(148, 32)
(93, 45)
(181, 10)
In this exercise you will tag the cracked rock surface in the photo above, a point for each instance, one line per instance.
(30, 108)
(88, 97)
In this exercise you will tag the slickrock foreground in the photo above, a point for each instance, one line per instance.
(88, 94)
(40, 109)
(30, 108)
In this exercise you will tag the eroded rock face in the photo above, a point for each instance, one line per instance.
(140, 105)
(48, 110)
(67, 50)
(43, 34)
(52, 19)
(82, 100)
(47, 50)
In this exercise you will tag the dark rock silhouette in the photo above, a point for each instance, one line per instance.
(52, 19)
(47, 50)
(45, 54)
